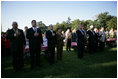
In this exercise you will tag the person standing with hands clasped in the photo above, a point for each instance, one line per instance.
(17, 44)
(102, 38)
(35, 41)
(59, 44)
(51, 37)
(91, 40)
(80, 41)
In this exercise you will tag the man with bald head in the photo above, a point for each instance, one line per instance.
(51, 37)
(17, 43)
(91, 40)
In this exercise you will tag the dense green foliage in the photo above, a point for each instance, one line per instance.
(112, 23)
(102, 19)
(42, 26)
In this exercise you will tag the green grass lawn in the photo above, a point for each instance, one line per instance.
(98, 65)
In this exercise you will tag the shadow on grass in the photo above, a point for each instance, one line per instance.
(98, 65)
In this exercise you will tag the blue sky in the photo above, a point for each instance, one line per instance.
(51, 12)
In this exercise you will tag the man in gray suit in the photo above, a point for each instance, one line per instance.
(102, 38)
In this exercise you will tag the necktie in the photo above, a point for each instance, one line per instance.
(51, 31)
(93, 32)
(82, 32)
(35, 30)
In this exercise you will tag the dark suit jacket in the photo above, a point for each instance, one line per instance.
(51, 39)
(16, 43)
(34, 42)
(60, 42)
(91, 38)
(80, 38)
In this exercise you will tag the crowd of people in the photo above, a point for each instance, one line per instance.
(93, 38)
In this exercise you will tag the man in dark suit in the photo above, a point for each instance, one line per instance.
(91, 40)
(80, 41)
(85, 35)
(51, 37)
(17, 43)
(35, 41)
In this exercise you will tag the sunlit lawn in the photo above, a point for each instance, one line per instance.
(98, 65)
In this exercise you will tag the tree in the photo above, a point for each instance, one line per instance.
(103, 18)
(96, 24)
(68, 23)
(42, 26)
(112, 23)
(56, 26)
(64, 25)
(75, 23)
(88, 24)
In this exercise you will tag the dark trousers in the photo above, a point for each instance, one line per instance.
(91, 48)
(59, 52)
(96, 47)
(51, 51)
(80, 51)
(35, 55)
(68, 45)
(7, 52)
(101, 45)
(2, 50)
(17, 60)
